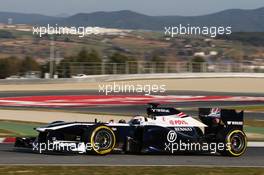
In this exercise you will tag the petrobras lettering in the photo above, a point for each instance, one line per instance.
(177, 122)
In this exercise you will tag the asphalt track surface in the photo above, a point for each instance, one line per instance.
(11, 156)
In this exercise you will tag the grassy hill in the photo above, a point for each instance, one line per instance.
(240, 20)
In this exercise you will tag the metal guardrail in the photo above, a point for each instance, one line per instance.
(66, 70)
(69, 69)
(130, 77)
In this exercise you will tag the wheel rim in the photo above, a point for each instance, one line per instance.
(103, 139)
(237, 143)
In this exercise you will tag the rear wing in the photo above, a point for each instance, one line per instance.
(228, 117)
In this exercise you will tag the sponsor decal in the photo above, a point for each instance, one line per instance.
(175, 121)
(172, 136)
(160, 110)
(178, 122)
(234, 122)
(183, 129)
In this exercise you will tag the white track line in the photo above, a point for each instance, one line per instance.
(255, 144)
(2, 140)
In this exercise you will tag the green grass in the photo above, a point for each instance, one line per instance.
(259, 130)
(13, 128)
(255, 123)
(255, 108)
(71, 111)
(22, 34)
(4, 132)
(89, 170)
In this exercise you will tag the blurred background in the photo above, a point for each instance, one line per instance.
(129, 43)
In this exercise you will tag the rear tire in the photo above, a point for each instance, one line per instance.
(236, 142)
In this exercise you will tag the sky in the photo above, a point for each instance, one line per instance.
(149, 7)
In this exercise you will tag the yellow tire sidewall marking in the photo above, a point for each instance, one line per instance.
(229, 142)
(93, 144)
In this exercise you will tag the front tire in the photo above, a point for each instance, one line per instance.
(102, 140)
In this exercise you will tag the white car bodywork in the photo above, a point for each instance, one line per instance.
(163, 121)
(170, 121)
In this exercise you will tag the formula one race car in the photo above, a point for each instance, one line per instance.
(163, 131)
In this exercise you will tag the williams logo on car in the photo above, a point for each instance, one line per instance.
(160, 110)
(234, 122)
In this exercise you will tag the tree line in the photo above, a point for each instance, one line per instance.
(19, 66)
(85, 61)
(14, 66)
(92, 56)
